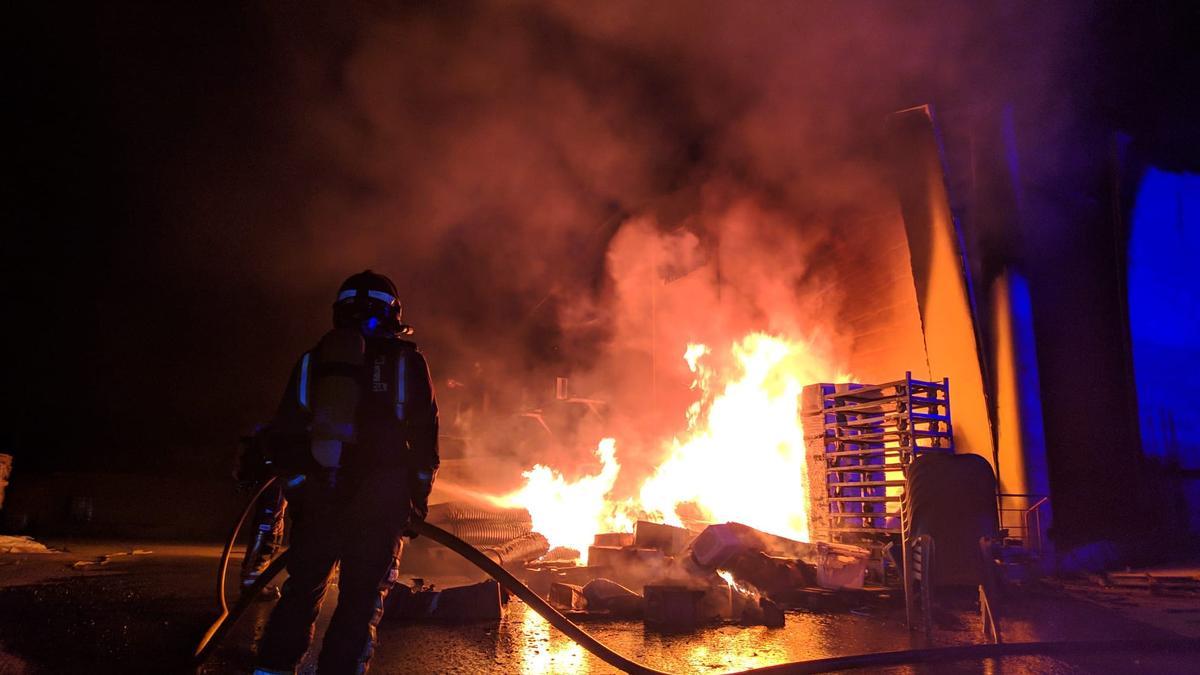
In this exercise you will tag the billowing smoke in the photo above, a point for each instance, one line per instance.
(580, 189)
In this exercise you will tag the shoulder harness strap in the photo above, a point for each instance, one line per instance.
(302, 387)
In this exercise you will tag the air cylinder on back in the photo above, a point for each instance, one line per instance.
(336, 390)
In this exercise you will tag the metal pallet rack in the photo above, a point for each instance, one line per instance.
(872, 433)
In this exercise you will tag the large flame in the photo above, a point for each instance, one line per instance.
(568, 513)
(741, 457)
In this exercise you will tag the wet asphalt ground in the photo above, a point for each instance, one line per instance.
(145, 612)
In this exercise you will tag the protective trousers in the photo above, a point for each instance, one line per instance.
(356, 520)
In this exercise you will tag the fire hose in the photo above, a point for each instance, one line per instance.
(625, 664)
(226, 619)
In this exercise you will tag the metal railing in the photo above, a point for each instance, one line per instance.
(1023, 515)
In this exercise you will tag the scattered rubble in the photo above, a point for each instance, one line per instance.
(605, 595)
(841, 566)
(771, 575)
(675, 608)
(765, 613)
(107, 558)
(611, 539)
(727, 573)
(11, 544)
(567, 597)
(1155, 583)
(474, 603)
(666, 538)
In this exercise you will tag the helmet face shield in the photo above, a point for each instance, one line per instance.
(369, 294)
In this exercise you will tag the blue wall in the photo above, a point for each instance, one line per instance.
(1164, 297)
(1164, 322)
(1164, 318)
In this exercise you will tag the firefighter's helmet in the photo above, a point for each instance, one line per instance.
(369, 301)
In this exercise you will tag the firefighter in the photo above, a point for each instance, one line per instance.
(356, 441)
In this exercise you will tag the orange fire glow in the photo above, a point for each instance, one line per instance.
(740, 458)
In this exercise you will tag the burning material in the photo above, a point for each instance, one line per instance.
(767, 574)
(729, 573)
(567, 512)
(774, 565)
(748, 606)
(741, 461)
(728, 577)
(743, 442)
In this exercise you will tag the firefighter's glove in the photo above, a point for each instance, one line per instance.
(251, 473)
(251, 468)
(247, 476)
(422, 485)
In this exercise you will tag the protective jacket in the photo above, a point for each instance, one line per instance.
(358, 403)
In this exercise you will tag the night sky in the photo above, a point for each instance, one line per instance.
(191, 184)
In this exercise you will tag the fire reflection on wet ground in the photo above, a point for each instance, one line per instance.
(544, 650)
(525, 643)
(145, 613)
